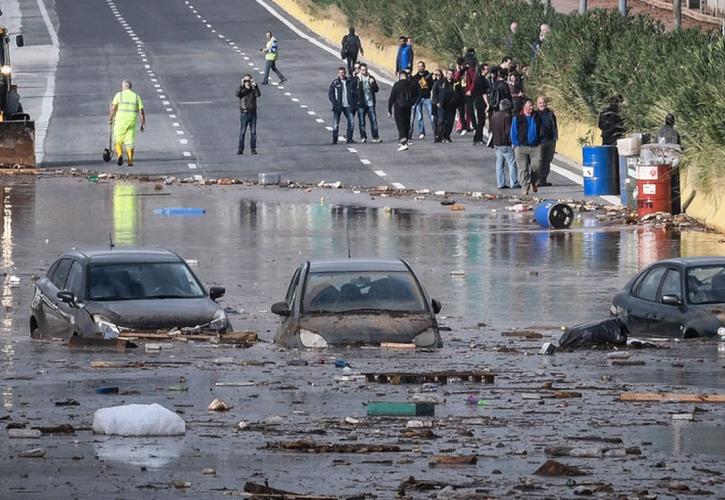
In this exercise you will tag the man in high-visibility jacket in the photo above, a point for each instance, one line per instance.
(271, 53)
(126, 108)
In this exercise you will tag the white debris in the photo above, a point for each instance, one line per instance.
(34, 453)
(618, 355)
(13, 281)
(24, 433)
(351, 421)
(218, 405)
(440, 193)
(243, 424)
(138, 420)
(275, 420)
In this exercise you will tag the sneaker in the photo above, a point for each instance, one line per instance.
(283, 80)
(534, 188)
(403, 147)
(334, 143)
(377, 140)
(130, 164)
(254, 151)
(464, 132)
(421, 136)
(516, 186)
(363, 139)
(448, 141)
(240, 151)
(265, 83)
(525, 191)
(503, 187)
(351, 141)
(547, 184)
(119, 162)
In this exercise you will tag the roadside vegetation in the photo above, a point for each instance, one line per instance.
(585, 60)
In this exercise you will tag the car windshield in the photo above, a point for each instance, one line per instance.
(706, 285)
(134, 281)
(337, 292)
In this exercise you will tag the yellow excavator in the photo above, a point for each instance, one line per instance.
(17, 131)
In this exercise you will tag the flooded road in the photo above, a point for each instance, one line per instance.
(492, 269)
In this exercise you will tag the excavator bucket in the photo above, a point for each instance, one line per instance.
(17, 143)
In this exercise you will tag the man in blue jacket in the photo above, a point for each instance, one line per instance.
(404, 59)
(526, 141)
(342, 98)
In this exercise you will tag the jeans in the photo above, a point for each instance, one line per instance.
(507, 154)
(248, 119)
(336, 123)
(273, 66)
(445, 119)
(351, 60)
(528, 161)
(547, 155)
(423, 104)
(372, 115)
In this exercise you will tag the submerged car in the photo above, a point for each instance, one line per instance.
(682, 297)
(101, 293)
(356, 302)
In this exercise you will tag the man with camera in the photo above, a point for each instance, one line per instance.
(248, 93)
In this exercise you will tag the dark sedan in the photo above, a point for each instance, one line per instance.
(101, 293)
(356, 302)
(682, 298)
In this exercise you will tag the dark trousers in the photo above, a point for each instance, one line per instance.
(248, 119)
(445, 120)
(461, 107)
(351, 60)
(402, 122)
(470, 112)
(480, 109)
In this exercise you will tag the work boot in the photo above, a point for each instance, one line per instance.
(119, 161)
(240, 151)
(119, 154)
(254, 151)
(534, 188)
(129, 153)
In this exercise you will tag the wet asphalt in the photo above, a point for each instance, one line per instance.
(494, 271)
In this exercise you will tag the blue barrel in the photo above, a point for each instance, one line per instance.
(601, 170)
(180, 211)
(552, 214)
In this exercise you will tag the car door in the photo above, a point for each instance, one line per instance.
(54, 318)
(293, 291)
(68, 313)
(668, 319)
(643, 301)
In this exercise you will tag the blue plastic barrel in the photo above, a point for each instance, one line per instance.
(601, 170)
(552, 214)
(180, 211)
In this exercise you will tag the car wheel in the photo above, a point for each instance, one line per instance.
(690, 334)
(34, 332)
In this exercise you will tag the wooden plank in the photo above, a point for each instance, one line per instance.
(671, 397)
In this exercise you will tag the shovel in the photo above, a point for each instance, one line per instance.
(108, 152)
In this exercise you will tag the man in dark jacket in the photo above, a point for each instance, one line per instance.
(668, 134)
(480, 102)
(501, 130)
(342, 97)
(248, 93)
(549, 136)
(401, 101)
(424, 80)
(499, 89)
(611, 123)
(526, 141)
(365, 89)
(444, 101)
(351, 48)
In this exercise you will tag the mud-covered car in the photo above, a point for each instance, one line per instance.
(683, 297)
(100, 293)
(356, 302)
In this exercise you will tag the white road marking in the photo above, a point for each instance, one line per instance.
(191, 166)
(246, 58)
(329, 129)
(380, 173)
(311, 113)
(179, 132)
(166, 103)
(320, 120)
(176, 124)
(183, 141)
(169, 109)
(288, 94)
(186, 153)
(251, 64)
(303, 106)
(365, 161)
(352, 150)
(172, 116)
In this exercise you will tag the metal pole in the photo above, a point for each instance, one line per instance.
(582, 6)
(677, 9)
(623, 7)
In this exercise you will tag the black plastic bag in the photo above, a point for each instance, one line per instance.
(608, 332)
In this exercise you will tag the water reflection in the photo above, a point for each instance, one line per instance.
(140, 452)
(124, 213)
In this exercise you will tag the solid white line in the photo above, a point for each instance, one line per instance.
(380, 173)
(313, 41)
(398, 185)
(49, 94)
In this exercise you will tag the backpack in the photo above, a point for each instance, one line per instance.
(494, 96)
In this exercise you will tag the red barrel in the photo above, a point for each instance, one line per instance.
(654, 189)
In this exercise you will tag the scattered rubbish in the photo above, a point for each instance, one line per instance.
(208, 471)
(547, 349)
(683, 416)
(442, 460)
(266, 492)
(618, 355)
(351, 421)
(473, 400)
(429, 387)
(57, 429)
(158, 346)
(178, 388)
(397, 345)
(448, 202)
(552, 468)
(417, 424)
(341, 363)
(564, 451)
(243, 424)
(116, 364)
(386, 408)
(107, 390)
(78, 342)
(273, 420)
(243, 338)
(13, 281)
(457, 207)
(671, 397)
(138, 420)
(442, 378)
(24, 433)
(313, 447)
(627, 362)
(67, 402)
(180, 485)
(180, 211)
(438, 193)
(33, 453)
(458, 273)
(525, 334)
(519, 207)
(218, 405)
(235, 384)
(595, 333)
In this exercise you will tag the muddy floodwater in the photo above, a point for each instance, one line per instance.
(494, 270)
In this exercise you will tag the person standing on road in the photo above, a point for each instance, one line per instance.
(461, 86)
(351, 48)
(444, 100)
(549, 136)
(125, 110)
(248, 93)
(400, 103)
(501, 130)
(424, 80)
(480, 102)
(271, 54)
(526, 141)
(365, 89)
(342, 97)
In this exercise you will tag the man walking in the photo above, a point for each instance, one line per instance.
(526, 141)
(444, 99)
(248, 93)
(549, 136)
(365, 89)
(401, 101)
(342, 97)
(501, 130)
(351, 47)
(271, 53)
(481, 88)
(125, 110)
(424, 80)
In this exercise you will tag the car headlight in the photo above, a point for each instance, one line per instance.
(107, 329)
(219, 322)
(426, 338)
(721, 332)
(311, 339)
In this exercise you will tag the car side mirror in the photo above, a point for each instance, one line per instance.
(67, 297)
(19, 40)
(281, 309)
(671, 300)
(436, 306)
(217, 292)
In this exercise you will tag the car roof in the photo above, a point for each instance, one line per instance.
(694, 261)
(342, 265)
(123, 255)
